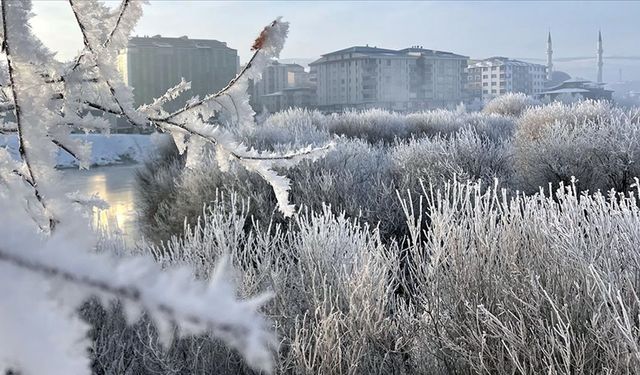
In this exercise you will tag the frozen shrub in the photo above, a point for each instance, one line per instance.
(465, 155)
(333, 284)
(540, 284)
(354, 178)
(511, 104)
(593, 141)
(545, 284)
(373, 125)
(294, 126)
(534, 120)
(382, 126)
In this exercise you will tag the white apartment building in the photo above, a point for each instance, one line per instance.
(370, 77)
(500, 75)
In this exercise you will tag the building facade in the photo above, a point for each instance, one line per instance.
(403, 80)
(500, 75)
(277, 77)
(577, 89)
(292, 97)
(151, 65)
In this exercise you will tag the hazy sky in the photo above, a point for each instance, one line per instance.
(478, 29)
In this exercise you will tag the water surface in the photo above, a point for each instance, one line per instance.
(115, 185)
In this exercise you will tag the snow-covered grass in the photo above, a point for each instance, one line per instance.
(105, 149)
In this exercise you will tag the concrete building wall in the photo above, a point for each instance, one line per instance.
(367, 77)
(275, 78)
(151, 65)
(496, 76)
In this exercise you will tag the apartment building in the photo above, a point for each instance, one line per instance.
(151, 65)
(500, 75)
(277, 77)
(292, 97)
(407, 79)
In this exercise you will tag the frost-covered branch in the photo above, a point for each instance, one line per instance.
(170, 297)
(45, 273)
(25, 154)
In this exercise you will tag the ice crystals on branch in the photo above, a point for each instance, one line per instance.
(44, 280)
(47, 270)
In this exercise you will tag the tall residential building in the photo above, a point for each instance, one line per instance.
(407, 79)
(500, 75)
(599, 58)
(275, 78)
(151, 65)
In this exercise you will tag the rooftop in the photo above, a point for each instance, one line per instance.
(175, 42)
(500, 60)
(375, 51)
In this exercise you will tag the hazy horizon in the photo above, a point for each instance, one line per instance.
(475, 29)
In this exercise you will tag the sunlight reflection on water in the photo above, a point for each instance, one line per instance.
(115, 185)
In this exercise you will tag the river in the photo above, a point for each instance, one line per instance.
(115, 185)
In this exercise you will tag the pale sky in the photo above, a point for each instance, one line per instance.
(477, 29)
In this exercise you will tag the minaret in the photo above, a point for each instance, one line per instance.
(549, 58)
(599, 57)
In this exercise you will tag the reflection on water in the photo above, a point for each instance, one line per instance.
(114, 185)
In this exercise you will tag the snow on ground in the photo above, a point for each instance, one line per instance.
(106, 149)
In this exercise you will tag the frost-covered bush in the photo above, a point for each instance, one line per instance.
(465, 156)
(499, 285)
(597, 143)
(333, 279)
(293, 126)
(354, 177)
(511, 104)
(383, 126)
(534, 120)
(540, 284)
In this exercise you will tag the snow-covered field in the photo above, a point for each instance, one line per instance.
(106, 149)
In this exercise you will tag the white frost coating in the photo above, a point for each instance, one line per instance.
(155, 108)
(47, 268)
(62, 263)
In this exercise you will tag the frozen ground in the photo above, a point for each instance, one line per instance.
(106, 149)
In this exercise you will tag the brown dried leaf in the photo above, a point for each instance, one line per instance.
(260, 40)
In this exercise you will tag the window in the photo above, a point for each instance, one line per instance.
(388, 62)
(485, 84)
(494, 83)
(485, 76)
(493, 76)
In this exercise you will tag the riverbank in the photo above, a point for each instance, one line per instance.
(106, 150)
